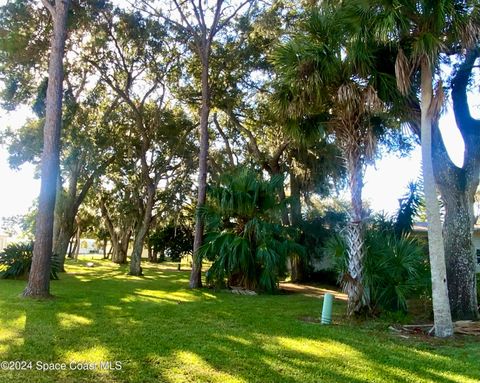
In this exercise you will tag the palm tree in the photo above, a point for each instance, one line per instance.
(318, 76)
(245, 240)
(421, 31)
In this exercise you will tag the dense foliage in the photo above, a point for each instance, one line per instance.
(171, 241)
(16, 260)
(245, 242)
(395, 266)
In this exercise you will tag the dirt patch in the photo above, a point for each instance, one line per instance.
(460, 328)
(311, 290)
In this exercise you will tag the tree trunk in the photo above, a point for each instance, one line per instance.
(141, 234)
(284, 212)
(39, 277)
(297, 263)
(274, 168)
(152, 254)
(120, 246)
(352, 282)
(73, 250)
(61, 248)
(77, 241)
(460, 255)
(65, 213)
(119, 249)
(57, 211)
(196, 273)
(70, 247)
(457, 187)
(441, 307)
(104, 247)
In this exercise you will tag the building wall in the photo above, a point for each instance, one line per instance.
(88, 246)
(476, 243)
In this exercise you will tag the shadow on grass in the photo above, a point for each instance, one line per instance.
(163, 332)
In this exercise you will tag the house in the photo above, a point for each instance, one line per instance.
(421, 229)
(88, 246)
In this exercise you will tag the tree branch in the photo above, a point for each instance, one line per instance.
(88, 184)
(225, 139)
(233, 14)
(459, 94)
(50, 7)
(278, 153)
(184, 18)
(251, 142)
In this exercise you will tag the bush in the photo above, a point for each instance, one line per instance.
(394, 268)
(245, 242)
(172, 241)
(314, 232)
(16, 261)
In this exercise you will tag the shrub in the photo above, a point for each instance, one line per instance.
(314, 231)
(172, 241)
(245, 242)
(16, 261)
(394, 268)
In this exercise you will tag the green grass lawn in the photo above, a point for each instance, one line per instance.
(161, 331)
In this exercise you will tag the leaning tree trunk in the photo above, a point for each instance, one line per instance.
(73, 248)
(66, 220)
(77, 241)
(196, 273)
(441, 307)
(39, 277)
(358, 298)
(57, 212)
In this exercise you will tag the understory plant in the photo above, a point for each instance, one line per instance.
(171, 240)
(245, 241)
(16, 260)
(395, 265)
(394, 268)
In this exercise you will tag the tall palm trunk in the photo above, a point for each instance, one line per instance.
(353, 281)
(441, 306)
(196, 273)
(39, 277)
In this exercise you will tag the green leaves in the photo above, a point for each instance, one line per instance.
(246, 244)
(394, 267)
(16, 260)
